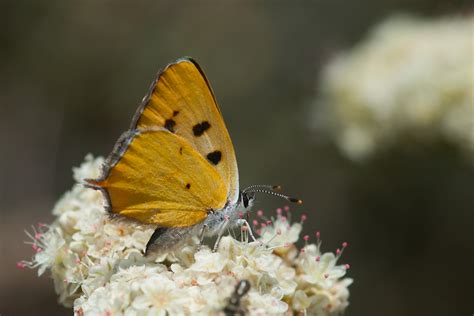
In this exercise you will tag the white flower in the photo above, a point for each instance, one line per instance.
(208, 262)
(265, 304)
(280, 233)
(112, 299)
(137, 273)
(98, 275)
(161, 296)
(301, 301)
(322, 281)
(97, 265)
(319, 269)
(411, 79)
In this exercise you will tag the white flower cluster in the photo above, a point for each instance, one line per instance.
(98, 267)
(411, 79)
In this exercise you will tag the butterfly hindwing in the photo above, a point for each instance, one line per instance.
(161, 179)
(181, 100)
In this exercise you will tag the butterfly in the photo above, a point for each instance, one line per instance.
(176, 167)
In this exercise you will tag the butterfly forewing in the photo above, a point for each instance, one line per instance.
(161, 179)
(182, 102)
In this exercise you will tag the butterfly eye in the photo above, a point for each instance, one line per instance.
(245, 200)
(247, 197)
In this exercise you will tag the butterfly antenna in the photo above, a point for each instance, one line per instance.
(262, 186)
(286, 197)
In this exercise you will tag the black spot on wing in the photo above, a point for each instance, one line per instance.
(170, 124)
(175, 113)
(180, 150)
(214, 157)
(188, 186)
(200, 128)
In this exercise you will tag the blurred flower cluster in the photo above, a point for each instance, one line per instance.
(411, 79)
(98, 267)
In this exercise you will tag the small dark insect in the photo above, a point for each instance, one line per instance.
(233, 307)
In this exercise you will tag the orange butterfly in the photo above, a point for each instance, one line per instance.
(175, 167)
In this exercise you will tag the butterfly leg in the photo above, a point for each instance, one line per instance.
(243, 222)
(201, 236)
(220, 234)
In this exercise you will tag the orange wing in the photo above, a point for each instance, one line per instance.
(157, 177)
(181, 100)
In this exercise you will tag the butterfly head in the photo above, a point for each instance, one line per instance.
(246, 199)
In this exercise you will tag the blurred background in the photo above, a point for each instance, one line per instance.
(72, 75)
